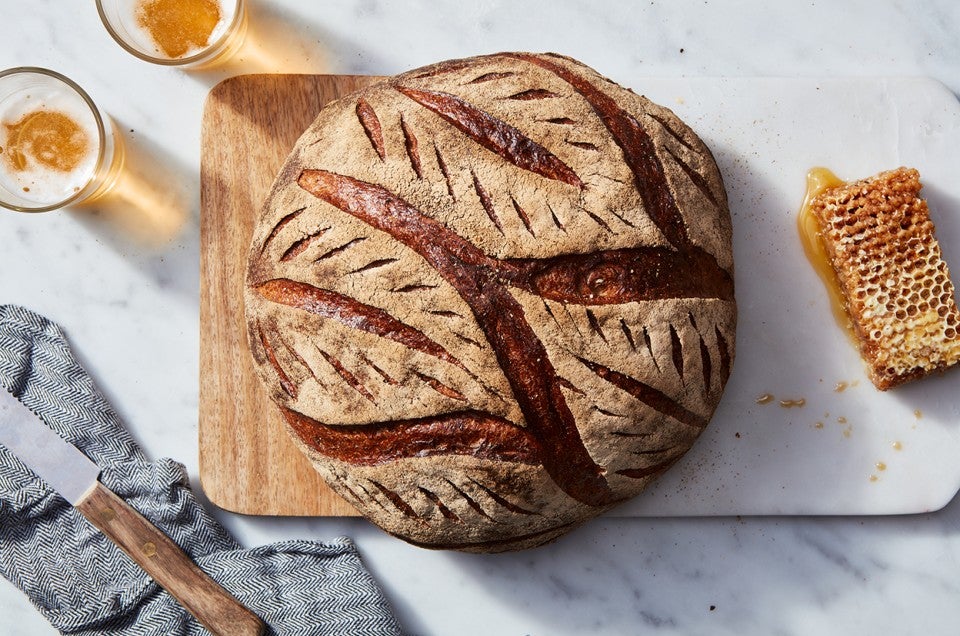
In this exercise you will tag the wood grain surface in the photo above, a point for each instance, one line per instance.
(168, 565)
(248, 462)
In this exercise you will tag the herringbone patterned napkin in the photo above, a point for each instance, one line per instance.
(83, 584)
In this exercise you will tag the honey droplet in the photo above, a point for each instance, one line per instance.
(897, 446)
(847, 432)
(789, 404)
(179, 26)
(874, 478)
(818, 425)
(918, 414)
(840, 387)
(841, 420)
(150, 549)
(46, 137)
(766, 398)
(880, 466)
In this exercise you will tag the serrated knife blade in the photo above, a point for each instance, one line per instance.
(71, 473)
(52, 458)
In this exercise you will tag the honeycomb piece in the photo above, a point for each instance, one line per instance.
(880, 241)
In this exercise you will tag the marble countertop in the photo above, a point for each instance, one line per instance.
(131, 309)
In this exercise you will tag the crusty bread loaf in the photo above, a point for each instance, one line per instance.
(880, 241)
(493, 297)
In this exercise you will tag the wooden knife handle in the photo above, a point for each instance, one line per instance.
(168, 565)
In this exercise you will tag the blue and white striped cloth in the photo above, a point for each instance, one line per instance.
(83, 584)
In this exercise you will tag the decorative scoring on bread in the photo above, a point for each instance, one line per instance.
(508, 334)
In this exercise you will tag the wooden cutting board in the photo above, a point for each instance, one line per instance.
(248, 463)
(855, 451)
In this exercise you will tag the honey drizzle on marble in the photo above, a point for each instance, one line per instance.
(819, 180)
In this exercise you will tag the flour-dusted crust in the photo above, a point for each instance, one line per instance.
(493, 298)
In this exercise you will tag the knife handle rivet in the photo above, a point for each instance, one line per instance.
(108, 514)
(150, 549)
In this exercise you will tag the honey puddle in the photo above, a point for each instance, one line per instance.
(818, 181)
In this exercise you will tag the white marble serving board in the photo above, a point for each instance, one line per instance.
(856, 451)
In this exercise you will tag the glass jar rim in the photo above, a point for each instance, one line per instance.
(101, 135)
(201, 56)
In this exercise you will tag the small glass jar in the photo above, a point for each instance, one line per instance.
(209, 31)
(57, 148)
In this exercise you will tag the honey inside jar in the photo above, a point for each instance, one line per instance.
(179, 26)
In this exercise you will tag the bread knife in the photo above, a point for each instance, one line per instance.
(68, 471)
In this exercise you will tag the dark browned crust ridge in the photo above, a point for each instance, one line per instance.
(549, 436)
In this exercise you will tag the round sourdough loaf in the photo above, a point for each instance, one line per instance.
(493, 297)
